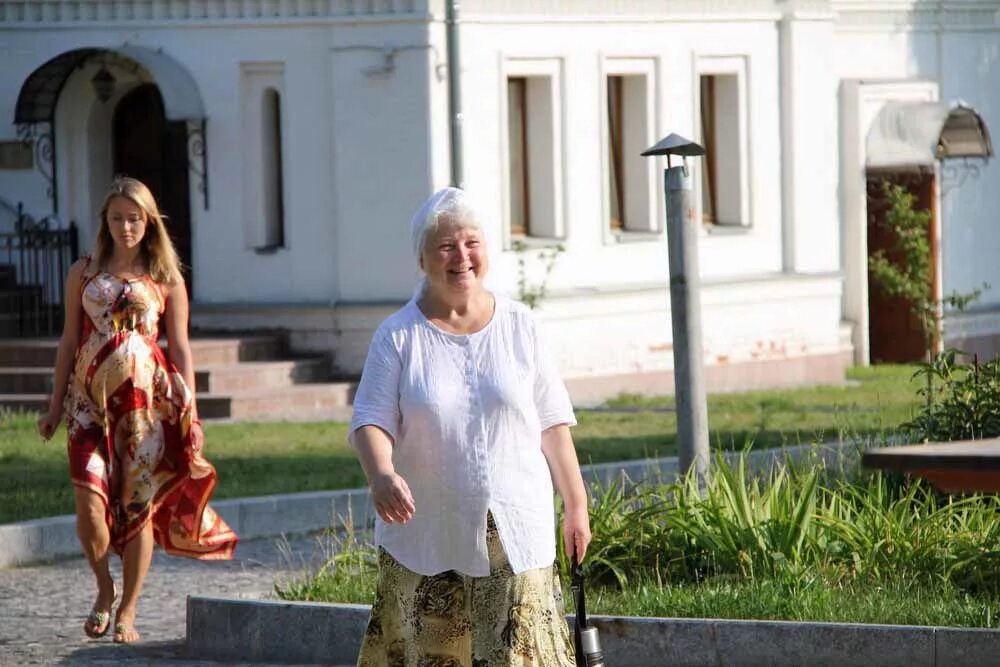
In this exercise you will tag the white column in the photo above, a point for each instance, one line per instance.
(809, 147)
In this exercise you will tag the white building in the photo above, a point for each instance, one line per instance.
(290, 141)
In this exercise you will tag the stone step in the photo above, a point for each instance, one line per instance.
(223, 379)
(299, 402)
(28, 352)
(26, 380)
(27, 402)
(253, 375)
(318, 401)
(206, 351)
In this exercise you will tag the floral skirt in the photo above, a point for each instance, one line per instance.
(453, 620)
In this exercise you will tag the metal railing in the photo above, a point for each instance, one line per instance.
(34, 261)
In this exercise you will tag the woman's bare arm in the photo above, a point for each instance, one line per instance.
(390, 492)
(66, 352)
(560, 453)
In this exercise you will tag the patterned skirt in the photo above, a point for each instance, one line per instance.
(453, 620)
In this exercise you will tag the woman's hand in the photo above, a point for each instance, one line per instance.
(197, 437)
(576, 532)
(392, 498)
(48, 423)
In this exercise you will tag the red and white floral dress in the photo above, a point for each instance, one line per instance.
(129, 419)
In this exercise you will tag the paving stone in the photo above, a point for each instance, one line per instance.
(42, 607)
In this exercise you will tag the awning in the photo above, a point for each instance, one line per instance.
(908, 134)
(36, 103)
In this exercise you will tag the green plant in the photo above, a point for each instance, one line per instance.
(532, 294)
(962, 400)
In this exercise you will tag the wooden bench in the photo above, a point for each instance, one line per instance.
(956, 467)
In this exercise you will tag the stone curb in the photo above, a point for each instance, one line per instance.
(270, 631)
(43, 540)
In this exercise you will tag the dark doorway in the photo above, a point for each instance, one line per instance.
(154, 150)
(895, 334)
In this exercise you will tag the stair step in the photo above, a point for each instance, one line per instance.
(251, 375)
(28, 352)
(27, 380)
(219, 351)
(317, 401)
(206, 351)
(224, 379)
(28, 402)
(304, 401)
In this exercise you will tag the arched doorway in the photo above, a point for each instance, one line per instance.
(152, 149)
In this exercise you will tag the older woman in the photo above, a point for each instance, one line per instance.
(461, 424)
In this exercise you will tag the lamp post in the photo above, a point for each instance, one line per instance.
(685, 307)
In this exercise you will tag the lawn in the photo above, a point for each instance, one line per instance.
(891, 601)
(264, 458)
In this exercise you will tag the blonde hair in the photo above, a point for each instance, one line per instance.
(157, 248)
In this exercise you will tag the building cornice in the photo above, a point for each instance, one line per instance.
(45, 13)
(917, 15)
(848, 15)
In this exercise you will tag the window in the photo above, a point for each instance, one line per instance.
(532, 149)
(272, 181)
(629, 177)
(616, 137)
(264, 157)
(517, 164)
(722, 120)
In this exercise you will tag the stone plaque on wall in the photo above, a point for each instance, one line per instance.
(16, 155)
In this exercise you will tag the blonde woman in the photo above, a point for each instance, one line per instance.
(135, 442)
(461, 423)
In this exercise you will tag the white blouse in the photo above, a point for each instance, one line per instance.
(466, 415)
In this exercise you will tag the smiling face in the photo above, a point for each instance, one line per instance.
(454, 259)
(126, 222)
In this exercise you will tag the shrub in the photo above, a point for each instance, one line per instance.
(962, 400)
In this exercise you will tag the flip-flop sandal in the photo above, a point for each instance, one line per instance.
(98, 622)
(122, 629)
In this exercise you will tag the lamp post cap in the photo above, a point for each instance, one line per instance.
(675, 144)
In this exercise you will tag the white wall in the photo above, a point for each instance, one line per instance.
(592, 259)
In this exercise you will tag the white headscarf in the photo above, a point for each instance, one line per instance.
(451, 202)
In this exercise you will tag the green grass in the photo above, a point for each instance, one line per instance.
(251, 459)
(265, 458)
(893, 602)
(875, 400)
(900, 602)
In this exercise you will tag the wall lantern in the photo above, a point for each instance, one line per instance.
(104, 84)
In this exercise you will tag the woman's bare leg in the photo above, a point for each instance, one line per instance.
(92, 529)
(137, 555)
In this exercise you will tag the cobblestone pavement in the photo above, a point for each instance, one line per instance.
(42, 607)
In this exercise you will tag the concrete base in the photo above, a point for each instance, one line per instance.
(53, 538)
(266, 631)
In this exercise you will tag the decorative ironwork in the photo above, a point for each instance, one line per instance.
(34, 263)
(41, 138)
(198, 156)
(953, 174)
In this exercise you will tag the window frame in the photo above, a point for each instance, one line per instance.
(737, 66)
(642, 70)
(550, 227)
(257, 79)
